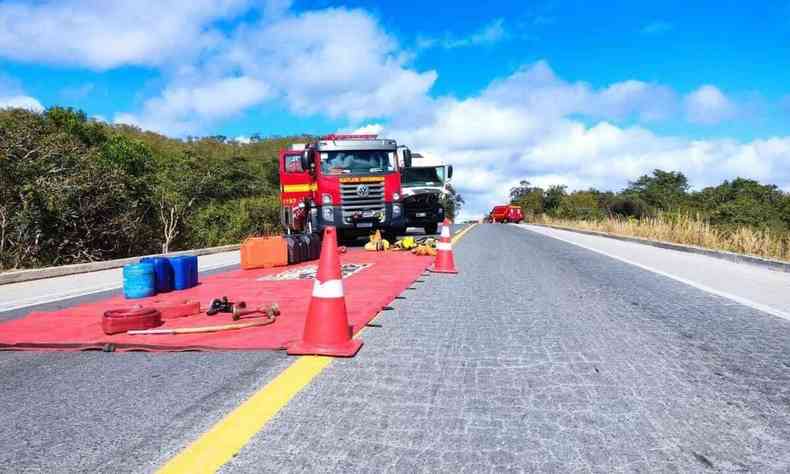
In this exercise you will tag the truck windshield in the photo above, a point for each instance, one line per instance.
(357, 161)
(428, 176)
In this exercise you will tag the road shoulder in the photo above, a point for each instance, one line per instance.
(759, 288)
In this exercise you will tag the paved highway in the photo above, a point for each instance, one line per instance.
(541, 356)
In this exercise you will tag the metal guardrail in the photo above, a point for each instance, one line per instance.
(16, 276)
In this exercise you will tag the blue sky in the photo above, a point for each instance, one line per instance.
(579, 93)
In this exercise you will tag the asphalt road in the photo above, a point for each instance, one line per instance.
(541, 356)
(545, 357)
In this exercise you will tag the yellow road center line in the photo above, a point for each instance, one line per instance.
(458, 236)
(219, 444)
(222, 441)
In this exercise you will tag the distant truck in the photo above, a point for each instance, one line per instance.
(424, 184)
(505, 214)
(351, 182)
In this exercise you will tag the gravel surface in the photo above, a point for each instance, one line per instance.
(545, 357)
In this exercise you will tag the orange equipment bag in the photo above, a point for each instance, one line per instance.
(264, 252)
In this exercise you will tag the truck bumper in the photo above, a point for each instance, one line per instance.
(333, 216)
(420, 217)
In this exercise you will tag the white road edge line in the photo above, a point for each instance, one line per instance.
(19, 304)
(699, 286)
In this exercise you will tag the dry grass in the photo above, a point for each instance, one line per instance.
(690, 231)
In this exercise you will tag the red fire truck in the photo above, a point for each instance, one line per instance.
(351, 182)
(505, 214)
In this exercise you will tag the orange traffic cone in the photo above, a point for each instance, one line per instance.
(326, 330)
(444, 262)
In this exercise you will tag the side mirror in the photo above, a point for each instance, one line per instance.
(450, 172)
(306, 160)
(406, 158)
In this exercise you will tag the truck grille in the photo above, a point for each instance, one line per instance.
(421, 201)
(352, 202)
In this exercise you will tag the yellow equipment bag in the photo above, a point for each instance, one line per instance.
(376, 243)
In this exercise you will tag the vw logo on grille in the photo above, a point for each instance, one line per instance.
(363, 190)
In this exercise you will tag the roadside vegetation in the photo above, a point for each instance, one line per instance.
(742, 215)
(74, 189)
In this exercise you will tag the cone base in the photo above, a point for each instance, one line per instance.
(343, 349)
(444, 270)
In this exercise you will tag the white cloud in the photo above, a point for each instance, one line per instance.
(12, 96)
(105, 34)
(491, 33)
(20, 101)
(708, 105)
(604, 156)
(370, 129)
(334, 62)
(538, 87)
(184, 109)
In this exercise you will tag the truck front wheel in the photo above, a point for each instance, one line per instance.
(393, 233)
(431, 228)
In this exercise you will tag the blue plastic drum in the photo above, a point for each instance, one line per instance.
(163, 272)
(185, 271)
(139, 280)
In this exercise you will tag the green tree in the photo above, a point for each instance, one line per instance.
(221, 223)
(665, 190)
(524, 187)
(452, 202)
(531, 202)
(743, 202)
(180, 182)
(580, 205)
(553, 197)
(628, 206)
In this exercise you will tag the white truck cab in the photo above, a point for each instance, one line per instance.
(424, 184)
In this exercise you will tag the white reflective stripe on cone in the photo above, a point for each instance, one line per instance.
(445, 231)
(444, 246)
(328, 289)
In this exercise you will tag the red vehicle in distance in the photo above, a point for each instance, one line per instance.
(505, 214)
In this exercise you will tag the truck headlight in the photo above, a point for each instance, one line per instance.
(328, 213)
(326, 199)
(396, 210)
(395, 196)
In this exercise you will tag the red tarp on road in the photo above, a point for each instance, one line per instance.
(366, 291)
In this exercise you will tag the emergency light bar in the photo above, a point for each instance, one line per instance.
(333, 137)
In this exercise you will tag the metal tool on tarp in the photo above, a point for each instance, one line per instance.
(222, 305)
(272, 311)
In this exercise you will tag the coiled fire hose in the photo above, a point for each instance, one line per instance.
(120, 320)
